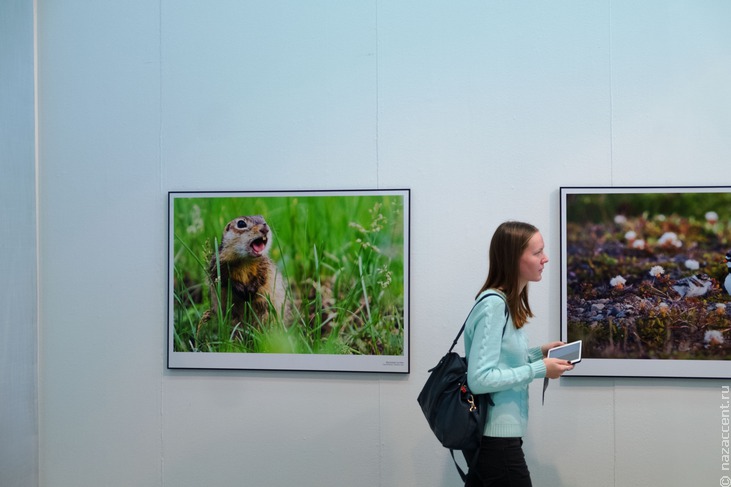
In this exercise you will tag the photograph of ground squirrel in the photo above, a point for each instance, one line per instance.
(292, 274)
(242, 264)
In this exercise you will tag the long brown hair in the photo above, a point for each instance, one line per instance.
(506, 247)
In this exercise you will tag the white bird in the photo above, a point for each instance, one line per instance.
(727, 281)
(693, 286)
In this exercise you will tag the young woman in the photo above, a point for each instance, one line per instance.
(499, 359)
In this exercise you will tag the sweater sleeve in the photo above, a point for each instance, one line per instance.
(485, 373)
(535, 354)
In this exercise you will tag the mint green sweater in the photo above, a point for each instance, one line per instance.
(502, 365)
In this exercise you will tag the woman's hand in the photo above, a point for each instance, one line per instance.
(555, 367)
(547, 346)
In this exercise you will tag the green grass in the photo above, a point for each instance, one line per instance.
(341, 259)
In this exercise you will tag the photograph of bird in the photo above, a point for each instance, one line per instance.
(668, 297)
(693, 286)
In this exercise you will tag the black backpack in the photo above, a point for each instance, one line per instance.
(456, 416)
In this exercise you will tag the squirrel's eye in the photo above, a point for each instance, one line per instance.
(241, 224)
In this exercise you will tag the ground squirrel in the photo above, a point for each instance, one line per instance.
(245, 267)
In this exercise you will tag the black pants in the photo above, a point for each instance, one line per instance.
(500, 463)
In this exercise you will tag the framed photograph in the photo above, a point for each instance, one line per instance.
(645, 280)
(295, 280)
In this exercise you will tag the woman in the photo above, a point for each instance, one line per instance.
(498, 357)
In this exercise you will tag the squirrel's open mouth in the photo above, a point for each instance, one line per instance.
(258, 245)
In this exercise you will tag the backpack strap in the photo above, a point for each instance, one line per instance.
(475, 454)
(462, 473)
(461, 330)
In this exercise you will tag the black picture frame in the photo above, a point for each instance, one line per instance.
(341, 258)
(643, 275)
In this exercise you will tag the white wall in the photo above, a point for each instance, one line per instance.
(18, 296)
(484, 109)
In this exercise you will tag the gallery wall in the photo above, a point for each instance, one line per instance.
(18, 249)
(483, 109)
